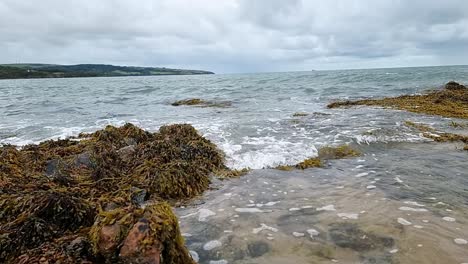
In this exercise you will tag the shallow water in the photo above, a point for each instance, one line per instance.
(405, 200)
(384, 207)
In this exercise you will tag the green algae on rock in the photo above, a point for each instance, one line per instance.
(100, 197)
(452, 101)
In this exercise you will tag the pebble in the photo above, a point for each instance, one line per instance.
(297, 234)
(393, 251)
(403, 221)
(411, 209)
(312, 232)
(264, 227)
(204, 214)
(460, 241)
(370, 187)
(194, 255)
(212, 245)
(448, 219)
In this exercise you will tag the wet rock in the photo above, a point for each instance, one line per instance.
(109, 238)
(135, 247)
(349, 235)
(384, 258)
(83, 159)
(454, 86)
(78, 248)
(258, 248)
(126, 153)
(58, 171)
(138, 195)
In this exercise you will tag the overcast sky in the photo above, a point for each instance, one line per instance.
(236, 35)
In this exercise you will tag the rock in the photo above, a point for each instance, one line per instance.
(83, 159)
(454, 86)
(210, 245)
(258, 248)
(138, 195)
(109, 238)
(135, 247)
(78, 247)
(126, 153)
(349, 235)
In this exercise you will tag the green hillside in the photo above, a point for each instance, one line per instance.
(24, 71)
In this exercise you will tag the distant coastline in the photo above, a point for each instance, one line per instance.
(30, 71)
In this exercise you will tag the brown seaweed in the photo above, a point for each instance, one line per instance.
(60, 200)
(449, 102)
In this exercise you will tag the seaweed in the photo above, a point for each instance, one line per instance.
(452, 101)
(309, 163)
(201, 103)
(324, 153)
(339, 152)
(457, 124)
(419, 126)
(61, 199)
(300, 114)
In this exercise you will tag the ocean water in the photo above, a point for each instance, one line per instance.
(407, 193)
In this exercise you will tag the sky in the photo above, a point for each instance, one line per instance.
(230, 36)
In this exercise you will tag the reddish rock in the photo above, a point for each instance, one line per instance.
(136, 250)
(109, 238)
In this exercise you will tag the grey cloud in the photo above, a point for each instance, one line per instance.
(236, 35)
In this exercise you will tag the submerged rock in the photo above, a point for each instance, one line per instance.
(349, 235)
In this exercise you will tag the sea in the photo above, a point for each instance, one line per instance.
(405, 200)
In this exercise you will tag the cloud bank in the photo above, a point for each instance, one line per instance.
(236, 35)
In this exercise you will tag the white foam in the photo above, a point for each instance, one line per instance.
(370, 187)
(294, 209)
(249, 210)
(361, 174)
(414, 203)
(460, 241)
(348, 215)
(221, 261)
(330, 207)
